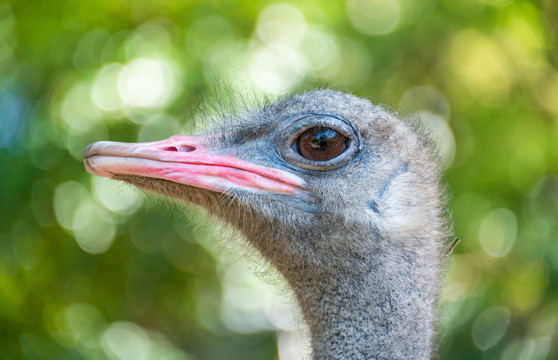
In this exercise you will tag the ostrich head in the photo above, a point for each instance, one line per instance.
(341, 196)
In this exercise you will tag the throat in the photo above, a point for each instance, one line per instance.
(379, 312)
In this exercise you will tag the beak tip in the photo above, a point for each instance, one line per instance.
(86, 152)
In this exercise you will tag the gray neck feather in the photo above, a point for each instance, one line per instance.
(383, 309)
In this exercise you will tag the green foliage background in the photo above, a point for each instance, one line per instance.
(86, 274)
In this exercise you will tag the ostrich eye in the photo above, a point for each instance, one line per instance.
(318, 142)
(321, 144)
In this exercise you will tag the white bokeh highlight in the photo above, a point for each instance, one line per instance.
(374, 17)
(146, 83)
(497, 232)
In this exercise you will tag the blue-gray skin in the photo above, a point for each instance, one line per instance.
(364, 248)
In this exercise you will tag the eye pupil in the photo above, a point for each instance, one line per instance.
(321, 144)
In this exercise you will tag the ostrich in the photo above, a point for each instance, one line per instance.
(338, 194)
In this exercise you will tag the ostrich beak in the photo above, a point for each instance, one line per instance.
(186, 160)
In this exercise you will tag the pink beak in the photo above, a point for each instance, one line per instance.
(185, 160)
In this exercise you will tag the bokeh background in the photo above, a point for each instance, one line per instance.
(89, 269)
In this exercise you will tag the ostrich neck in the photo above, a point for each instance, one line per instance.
(385, 309)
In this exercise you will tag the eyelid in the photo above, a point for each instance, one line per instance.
(301, 126)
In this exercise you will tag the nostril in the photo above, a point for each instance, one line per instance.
(181, 148)
(187, 148)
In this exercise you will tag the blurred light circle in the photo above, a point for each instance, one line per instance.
(525, 40)
(490, 327)
(152, 37)
(87, 53)
(77, 108)
(374, 17)
(115, 196)
(105, 88)
(281, 23)
(528, 348)
(322, 52)
(482, 65)
(276, 69)
(439, 131)
(456, 313)
(146, 83)
(67, 198)
(126, 341)
(497, 232)
(80, 324)
(93, 228)
(244, 299)
(425, 98)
